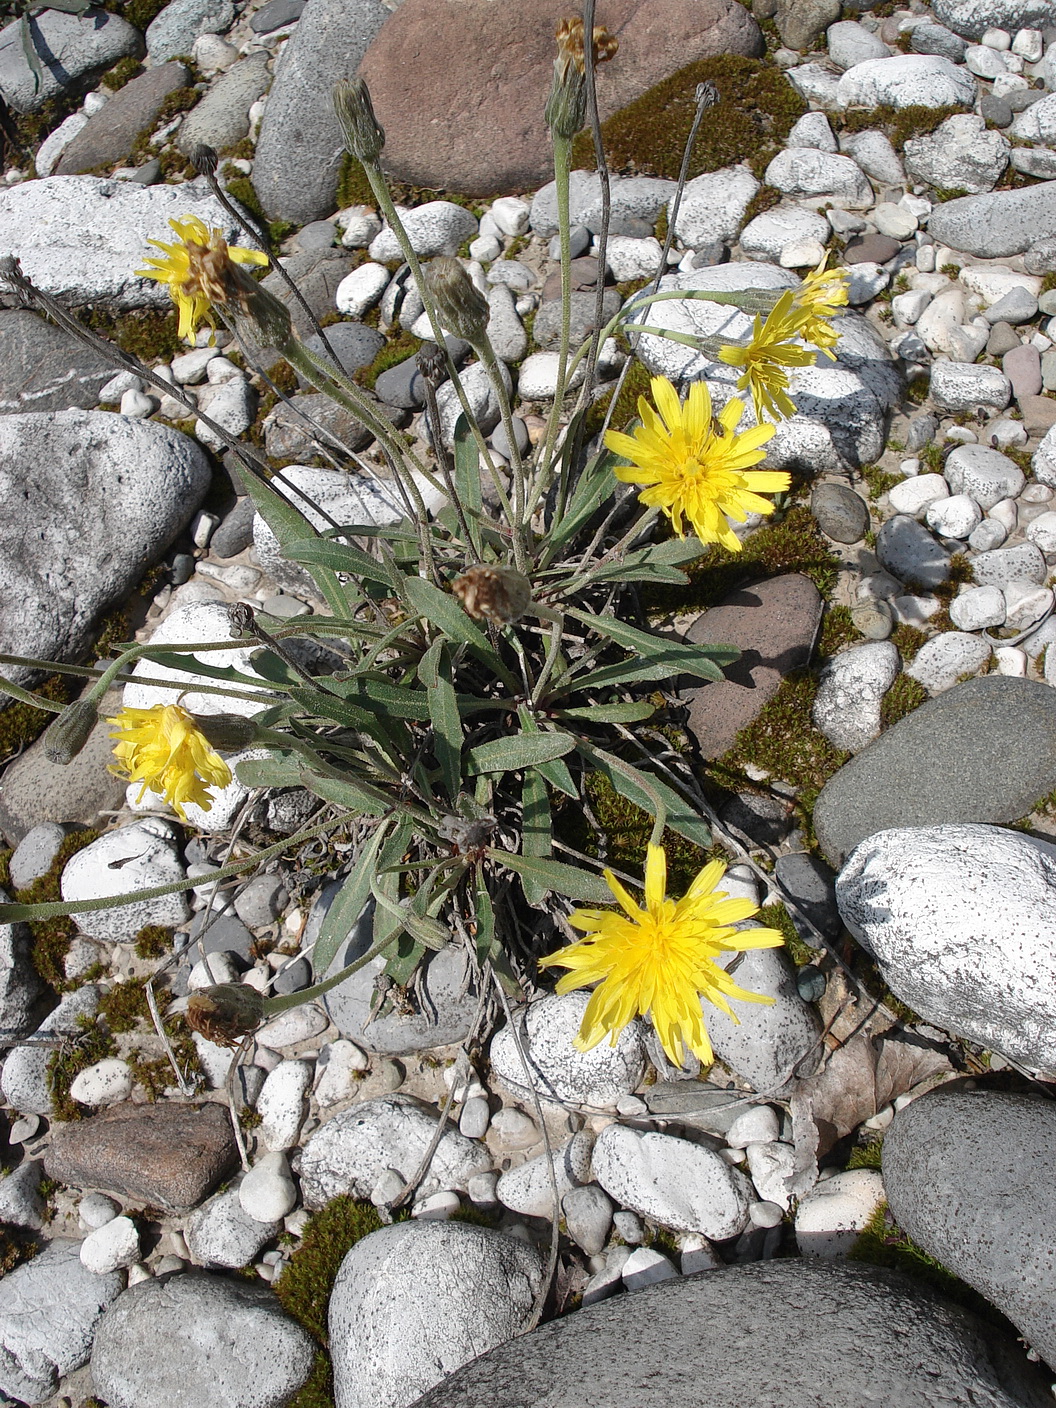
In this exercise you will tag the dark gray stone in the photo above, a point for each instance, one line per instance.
(870, 249)
(43, 368)
(968, 1175)
(225, 934)
(294, 978)
(317, 274)
(354, 344)
(222, 117)
(908, 551)
(73, 49)
(994, 111)
(998, 223)
(20, 987)
(758, 818)
(938, 765)
(402, 385)
(275, 14)
(810, 883)
(173, 31)
(921, 431)
(842, 514)
(107, 136)
(547, 327)
(299, 153)
(296, 429)
(235, 532)
(794, 1333)
(937, 39)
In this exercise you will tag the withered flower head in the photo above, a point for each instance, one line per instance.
(225, 1013)
(500, 595)
(569, 35)
(203, 272)
(462, 307)
(363, 133)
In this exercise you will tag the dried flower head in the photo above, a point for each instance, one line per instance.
(225, 1013)
(202, 272)
(500, 595)
(164, 748)
(462, 307)
(566, 107)
(570, 46)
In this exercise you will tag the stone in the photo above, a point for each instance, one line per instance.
(808, 881)
(947, 658)
(231, 405)
(774, 624)
(352, 1149)
(222, 117)
(222, 1233)
(681, 1185)
(998, 224)
(812, 130)
(276, 14)
(850, 43)
(978, 608)
(359, 290)
(959, 155)
(595, 1077)
(588, 1217)
(1042, 531)
(267, 1193)
(915, 495)
(876, 156)
(1022, 366)
(815, 82)
(146, 855)
(782, 1325)
(546, 330)
(870, 249)
(842, 514)
(955, 517)
(931, 38)
(169, 1155)
(21, 1201)
(318, 274)
(466, 1288)
(632, 198)
(766, 1044)
(305, 426)
(768, 234)
(1022, 563)
(438, 227)
(110, 1247)
(907, 550)
(1039, 414)
(935, 766)
(801, 22)
(506, 332)
(528, 1189)
(972, 18)
(1038, 123)
(43, 368)
(282, 1104)
(421, 67)
(713, 206)
(831, 1216)
(804, 171)
(964, 1172)
(906, 80)
(103, 1083)
(202, 1339)
(175, 28)
(850, 692)
(73, 50)
(956, 387)
(49, 1310)
(107, 137)
(985, 475)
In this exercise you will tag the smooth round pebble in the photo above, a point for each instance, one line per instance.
(113, 1245)
(268, 1193)
(96, 1210)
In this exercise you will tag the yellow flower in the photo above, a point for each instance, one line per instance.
(765, 358)
(198, 270)
(694, 466)
(164, 749)
(660, 960)
(818, 297)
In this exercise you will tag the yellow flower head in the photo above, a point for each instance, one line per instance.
(765, 358)
(199, 271)
(818, 297)
(164, 749)
(696, 467)
(660, 960)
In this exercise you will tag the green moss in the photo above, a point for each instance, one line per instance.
(139, 12)
(837, 630)
(353, 188)
(21, 723)
(125, 1005)
(242, 150)
(776, 916)
(765, 198)
(756, 110)
(1048, 283)
(901, 699)
(908, 640)
(867, 1155)
(92, 1043)
(879, 481)
(149, 334)
(402, 346)
(900, 124)
(51, 938)
(122, 72)
(153, 941)
(241, 188)
(16, 1247)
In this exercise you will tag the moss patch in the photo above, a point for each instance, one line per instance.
(52, 937)
(241, 188)
(776, 916)
(149, 334)
(153, 941)
(125, 1005)
(879, 481)
(402, 346)
(899, 124)
(92, 1043)
(756, 110)
(901, 699)
(122, 72)
(353, 188)
(21, 723)
(867, 1155)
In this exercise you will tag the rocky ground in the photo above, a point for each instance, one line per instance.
(892, 708)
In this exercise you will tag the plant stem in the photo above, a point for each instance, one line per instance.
(562, 167)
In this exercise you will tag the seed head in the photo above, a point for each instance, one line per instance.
(497, 594)
(462, 307)
(225, 1013)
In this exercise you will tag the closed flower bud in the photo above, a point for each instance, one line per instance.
(225, 1013)
(70, 732)
(462, 307)
(363, 133)
(227, 731)
(500, 595)
(204, 159)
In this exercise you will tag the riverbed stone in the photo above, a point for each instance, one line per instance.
(997, 224)
(108, 135)
(72, 50)
(906, 80)
(595, 1077)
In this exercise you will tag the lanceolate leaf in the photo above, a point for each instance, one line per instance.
(435, 673)
(633, 712)
(555, 772)
(554, 875)
(467, 477)
(680, 815)
(446, 614)
(536, 829)
(595, 485)
(681, 658)
(340, 557)
(348, 904)
(518, 751)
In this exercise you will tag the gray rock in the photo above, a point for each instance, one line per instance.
(35, 853)
(349, 1152)
(596, 1077)
(768, 234)
(232, 405)
(1023, 563)
(83, 237)
(842, 514)
(221, 1233)
(505, 329)
(769, 1043)
(812, 130)
(318, 274)
(801, 22)
(803, 171)
(466, 1289)
(194, 1340)
(959, 155)
(43, 368)
(276, 14)
(146, 854)
(300, 428)
(21, 1203)
(937, 39)
(964, 1172)
(262, 901)
(998, 224)
(438, 227)
(1018, 305)
(546, 330)
(876, 156)
(996, 113)
(957, 386)
(235, 532)
(528, 1189)
(588, 1217)
(908, 551)
(73, 49)
(936, 765)
(1034, 161)
(49, 1310)
(923, 901)
(108, 135)
(636, 197)
(810, 884)
(816, 82)
(299, 152)
(850, 692)
(850, 43)
(906, 80)
(972, 18)
(783, 1326)
(714, 205)
(25, 1075)
(20, 985)
(222, 117)
(1038, 122)
(355, 345)
(173, 31)
(985, 475)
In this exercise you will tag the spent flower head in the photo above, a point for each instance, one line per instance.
(201, 271)
(660, 960)
(164, 748)
(566, 108)
(695, 467)
(773, 348)
(462, 307)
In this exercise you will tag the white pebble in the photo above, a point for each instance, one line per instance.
(281, 1105)
(104, 1083)
(337, 1074)
(137, 405)
(114, 1244)
(644, 1267)
(755, 1124)
(438, 1207)
(267, 1193)
(473, 1121)
(96, 1210)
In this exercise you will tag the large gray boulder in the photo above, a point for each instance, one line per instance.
(772, 1334)
(73, 49)
(91, 501)
(997, 224)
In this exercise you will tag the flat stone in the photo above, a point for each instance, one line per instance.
(595, 1077)
(936, 765)
(961, 154)
(783, 1326)
(842, 514)
(957, 387)
(222, 1233)
(937, 39)
(107, 136)
(774, 625)
(972, 18)
(318, 274)
(73, 49)
(998, 224)
(908, 551)
(131, 858)
(947, 658)
(803, 171)
(850, 693)
(276, 14)
(870, 249)
(222, 117)
(43, 368)
(170, 1155)
(175, 28)
(873, 152)
(301, 428)
(983, 474)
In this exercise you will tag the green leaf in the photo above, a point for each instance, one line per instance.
(681, 658)
(625, 672)
(189, 664)
(659, 562)
(485, 939)
(520, 750)
(426, 931)
(595, 486)
(348, 904)
(276, 770)
(326, 706)
(632, 712)
(554, 875)
(345, 792)
(340, 557)
(555, 772)
(467, 478)
(402, 964)
(435, 673)
(536, 830)
(680, 815)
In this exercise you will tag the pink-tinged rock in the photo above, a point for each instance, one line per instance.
(460, 85)
(1022, 366)
(773, 624)
(1039, 414)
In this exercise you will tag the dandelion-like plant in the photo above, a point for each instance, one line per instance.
(165, 749)
(772, 349)
(697, 468)
(660, 960)
(817, 300)
(197, 269)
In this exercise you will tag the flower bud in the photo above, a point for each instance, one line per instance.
(497, 594)
(69, 733)
(363, 133)
(228, 731)
(204, 159)
(462, 307)
(225, 1013)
